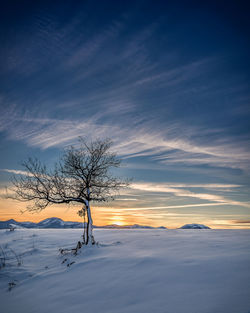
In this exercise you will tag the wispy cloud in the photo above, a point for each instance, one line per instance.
(17, 172)
(178, 192)
(175, 75)
(126, 199)
(111, 98)
(90, 47)
(159, 208)
(241, 221)
(222, 223)
(164, 145)
(190, 185)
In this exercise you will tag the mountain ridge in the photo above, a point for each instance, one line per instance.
(58, 223)
(194, 226)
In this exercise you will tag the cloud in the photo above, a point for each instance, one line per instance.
(178, 192)
(190, 185)
(158, 208)
(176, 75)
(126, 199)
(228, 223)
(111, 99)
(241, 221)
(17, 172)
(164, 145)
(90, 47)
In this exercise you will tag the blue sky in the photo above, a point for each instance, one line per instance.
(167, 82)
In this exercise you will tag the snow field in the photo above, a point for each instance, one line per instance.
(135, 271)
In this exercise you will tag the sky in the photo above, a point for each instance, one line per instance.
(168, 82)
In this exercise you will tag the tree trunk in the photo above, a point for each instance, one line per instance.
(84, 236)
(89, 230)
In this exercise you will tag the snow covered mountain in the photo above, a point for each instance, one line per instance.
(52, 222)
(7, 224)
(55, 222)
(194, 226)
(135, 226)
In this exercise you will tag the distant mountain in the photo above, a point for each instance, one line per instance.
(52, 222)
(8, 224)
(55, 222)
(194, 226)
(135, 226)
(27, 224)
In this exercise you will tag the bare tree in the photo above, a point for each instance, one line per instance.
(81, 176)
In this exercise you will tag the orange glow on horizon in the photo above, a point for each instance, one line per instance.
(10, 209)
(119, 223)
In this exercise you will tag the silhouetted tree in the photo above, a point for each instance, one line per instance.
(81, 176)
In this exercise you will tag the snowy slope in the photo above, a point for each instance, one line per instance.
(14, 226)
(131, 271)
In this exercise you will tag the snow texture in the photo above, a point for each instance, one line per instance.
(130, 271)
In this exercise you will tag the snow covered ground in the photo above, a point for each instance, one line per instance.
(135, 271)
